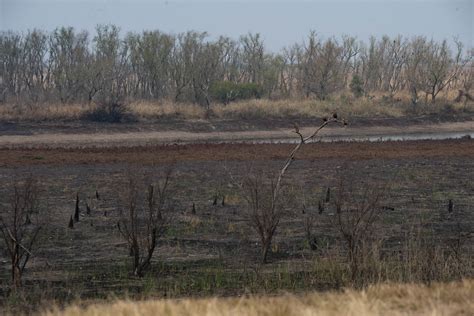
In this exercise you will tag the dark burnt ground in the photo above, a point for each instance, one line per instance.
(215, 252)
(163, 154)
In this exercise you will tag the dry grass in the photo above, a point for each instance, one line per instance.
(250, 109)
(305, 108)
(386, 299)
(156, 110)
(43, 112)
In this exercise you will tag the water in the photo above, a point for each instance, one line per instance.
(358, 138)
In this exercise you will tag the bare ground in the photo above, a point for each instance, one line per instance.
(214, 252)
(113, 138)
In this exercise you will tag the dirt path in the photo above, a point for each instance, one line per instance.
(141, 138)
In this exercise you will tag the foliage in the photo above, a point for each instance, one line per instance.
(68, 66)
(356, 86)
(227, 91)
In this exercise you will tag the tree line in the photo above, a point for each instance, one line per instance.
(68, 66)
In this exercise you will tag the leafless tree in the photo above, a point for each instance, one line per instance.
(20, 225)
(358, 208)
(252, 57)
(395, 56)
(70, 66)
(265, 199)
(145, 219)
(290, 57)
(441, 67)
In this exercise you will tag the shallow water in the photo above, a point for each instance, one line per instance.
(358, 138)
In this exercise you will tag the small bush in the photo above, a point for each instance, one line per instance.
(109, 112)
(227, 91)
(356, 86)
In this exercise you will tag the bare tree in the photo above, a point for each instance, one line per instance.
(68, 53)
(288, 80)
(266, 200)
(18, 226)
(441, 67)
(11, 64)
(252, 57)
(395, 56)
(145, 220)
(70, 66)
(358, 208)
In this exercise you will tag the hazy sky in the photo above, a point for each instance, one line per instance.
(280, 22)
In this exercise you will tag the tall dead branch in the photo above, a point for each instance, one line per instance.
(265, 199)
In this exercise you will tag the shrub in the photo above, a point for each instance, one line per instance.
(356, 86)
(226, 91)
(109, 112)
(145, 220)
(18, 229)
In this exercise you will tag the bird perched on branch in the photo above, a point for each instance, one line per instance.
(334, 115)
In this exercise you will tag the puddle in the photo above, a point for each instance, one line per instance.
(358, 138)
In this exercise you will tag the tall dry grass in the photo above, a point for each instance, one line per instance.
(306, 108)
(43, 112)
(249, 109)
(455, 298)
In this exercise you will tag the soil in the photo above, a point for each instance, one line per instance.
(215, 251)
(159, 154)
(146, 137)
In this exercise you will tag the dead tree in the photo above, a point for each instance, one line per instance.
(357, 211)
(462, 94)
(77, 210)
(18, 231)
(71, 223)
(145, 220)
(264, 198)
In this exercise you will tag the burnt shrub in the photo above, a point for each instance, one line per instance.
(109, 112)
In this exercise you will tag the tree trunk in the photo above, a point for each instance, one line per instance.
(16, 272)
(265, 248)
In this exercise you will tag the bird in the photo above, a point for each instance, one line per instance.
(334, 115)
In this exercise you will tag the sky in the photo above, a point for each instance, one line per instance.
(281, 23)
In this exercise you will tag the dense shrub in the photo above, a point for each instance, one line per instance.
(109, 112)
(356, 86)
(227, 91)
